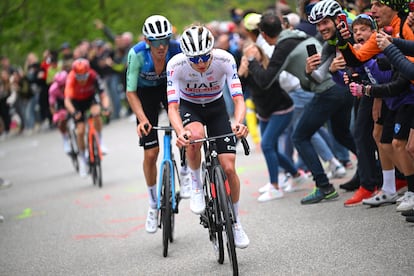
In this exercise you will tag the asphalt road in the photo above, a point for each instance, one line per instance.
(59, 224)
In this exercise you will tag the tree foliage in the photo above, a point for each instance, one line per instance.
(35, 25)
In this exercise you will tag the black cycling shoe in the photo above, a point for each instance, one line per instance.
(352, 184)
(409, 219)
(408, 213)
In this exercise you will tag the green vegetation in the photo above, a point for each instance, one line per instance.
(35, 25)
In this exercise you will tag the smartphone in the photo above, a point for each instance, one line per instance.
(286, 22)
(311, 48)
(343, 20)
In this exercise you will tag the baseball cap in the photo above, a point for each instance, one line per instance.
(251, 21)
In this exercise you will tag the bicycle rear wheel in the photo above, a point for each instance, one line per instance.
(226, 207)
(213, 215)
(166, 208)
(96, 168)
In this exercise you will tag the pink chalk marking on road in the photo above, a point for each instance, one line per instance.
(108, 199)
(121, 235)
(125, 220)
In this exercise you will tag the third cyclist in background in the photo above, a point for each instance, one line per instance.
(83, 86)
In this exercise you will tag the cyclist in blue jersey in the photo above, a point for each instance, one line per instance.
(146, 85)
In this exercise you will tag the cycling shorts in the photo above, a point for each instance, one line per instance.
(397, 124)
(216, 119)
(153, 99)
(83, 106)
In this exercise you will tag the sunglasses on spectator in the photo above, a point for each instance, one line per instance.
(82, 77)
(158, 42)
(203, 58)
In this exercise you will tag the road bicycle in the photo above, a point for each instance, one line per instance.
(93, 147)
(73, 141)
(218, 216)
(167, 197)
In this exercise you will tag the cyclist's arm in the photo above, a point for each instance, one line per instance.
(69, 91)
(133, 71)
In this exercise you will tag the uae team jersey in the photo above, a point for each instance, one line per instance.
(186, 83)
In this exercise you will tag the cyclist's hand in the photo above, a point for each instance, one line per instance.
(183, 139)
(106, 112)
(240, 130)
(76, 115)
(143, 129)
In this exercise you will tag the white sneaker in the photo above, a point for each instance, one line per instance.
(152, 220)
(186, 183)
(380, 198)
(104, 149)
(296, 182)
(66, 146)
(197, 201)
(241, 240)
(407, 203)
(284, 181)
(336, 171)
(265, 188)
(83, 167)
(271, 194)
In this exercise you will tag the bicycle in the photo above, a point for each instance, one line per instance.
(167, 198)
(74, 149)
(219, 215)
(93, 147)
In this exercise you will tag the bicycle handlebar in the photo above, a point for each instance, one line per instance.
(244, 142)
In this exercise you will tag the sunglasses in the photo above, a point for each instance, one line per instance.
(158, 42)
(82, 77)
(203, 58)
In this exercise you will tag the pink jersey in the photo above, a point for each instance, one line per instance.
(190, 85)
(56, 93)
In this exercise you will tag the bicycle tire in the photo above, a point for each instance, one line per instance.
(213, 215)
(73, 149)
(96, 164)
(226, 207)
(166, 209)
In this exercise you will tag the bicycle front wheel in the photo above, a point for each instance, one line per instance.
(213, 215)
(96, 168)
(166, 208)
(226, 207)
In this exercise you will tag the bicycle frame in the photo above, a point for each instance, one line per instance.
(91, 134)
(167, 158)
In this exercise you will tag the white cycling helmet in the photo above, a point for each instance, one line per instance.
(323, 9)
(157, 27)
(196, 41)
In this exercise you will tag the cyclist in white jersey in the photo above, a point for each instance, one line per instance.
(195, 81)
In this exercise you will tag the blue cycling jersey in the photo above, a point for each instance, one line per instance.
(141, 71)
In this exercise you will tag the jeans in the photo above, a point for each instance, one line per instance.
(114, 81)
(368, 167)
(334, 104)
(301, 98)
(270, 132)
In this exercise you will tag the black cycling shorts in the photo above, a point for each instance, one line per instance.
(84, 105)
(153, 99)
(397, 124)
(216, 119)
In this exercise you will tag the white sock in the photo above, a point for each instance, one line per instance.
(388, 184)
(236, 210)
(152, 196)
(196, 176)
